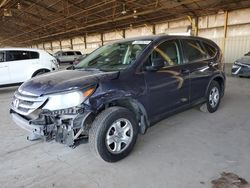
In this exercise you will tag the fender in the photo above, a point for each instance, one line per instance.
(214, 77)
(123, 99)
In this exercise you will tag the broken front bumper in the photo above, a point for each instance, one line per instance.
(65, 129)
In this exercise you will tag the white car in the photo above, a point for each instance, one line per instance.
(67, 56)
(20, 64)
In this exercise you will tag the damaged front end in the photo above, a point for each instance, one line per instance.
(64, 125)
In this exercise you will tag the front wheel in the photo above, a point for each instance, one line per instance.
(113, 134)
(213, 97)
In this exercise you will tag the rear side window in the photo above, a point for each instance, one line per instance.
(17, 55)
(1, 57)
(78, 53)
(211, 51)
(70, 53)
(34, 55)
(193, 50)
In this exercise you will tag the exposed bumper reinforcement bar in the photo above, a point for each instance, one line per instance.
(25, 124)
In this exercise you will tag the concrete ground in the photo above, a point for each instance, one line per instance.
(186, 150)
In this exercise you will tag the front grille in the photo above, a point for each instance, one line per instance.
(26, 104)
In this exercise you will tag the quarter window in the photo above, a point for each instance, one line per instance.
(193, 50)
(211, 51)
(34, 55)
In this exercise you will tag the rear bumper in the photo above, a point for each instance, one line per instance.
(25, 124)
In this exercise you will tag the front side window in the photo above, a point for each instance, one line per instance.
(1, 56)
(166, 54)
(193, 50)
(115, 56)
(78, 53)
(17, 55)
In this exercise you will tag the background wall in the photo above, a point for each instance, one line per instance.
(232, 34)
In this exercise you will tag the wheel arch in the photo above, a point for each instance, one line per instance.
(220, 80)
(39, 70)
(136, 107)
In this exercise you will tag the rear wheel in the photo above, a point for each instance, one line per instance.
(113, 134)
(213, 97)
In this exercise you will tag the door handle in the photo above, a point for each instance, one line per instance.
(184, 71)
(210, 63)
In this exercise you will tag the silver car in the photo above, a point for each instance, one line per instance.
(67, 56)
(241, 67)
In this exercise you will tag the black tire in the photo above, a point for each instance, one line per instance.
(212, 107)
(99, 130)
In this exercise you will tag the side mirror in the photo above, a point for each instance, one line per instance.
(157, 64)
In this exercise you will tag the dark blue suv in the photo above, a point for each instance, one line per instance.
(120, 90)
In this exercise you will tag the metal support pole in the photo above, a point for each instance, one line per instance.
(225, 32)
(51, 46)
(102, 39)
(60, 44)
(194, 24)
(154, 31)
(85, 40)
(71, 44)
(123, 33)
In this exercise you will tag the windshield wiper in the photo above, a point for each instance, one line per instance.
(89, 69)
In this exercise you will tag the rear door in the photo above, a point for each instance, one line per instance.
(20, 63)
(78, 54)
(196, 59)
(4, 69)
(70, 56)
(168, 88)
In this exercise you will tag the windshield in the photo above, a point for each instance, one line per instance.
(116, 56)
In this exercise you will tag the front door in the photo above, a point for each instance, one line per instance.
(168, 87)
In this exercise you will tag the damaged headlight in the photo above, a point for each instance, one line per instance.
(67, 100)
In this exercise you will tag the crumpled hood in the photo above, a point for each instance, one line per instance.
(64, 81)
(245, 60)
